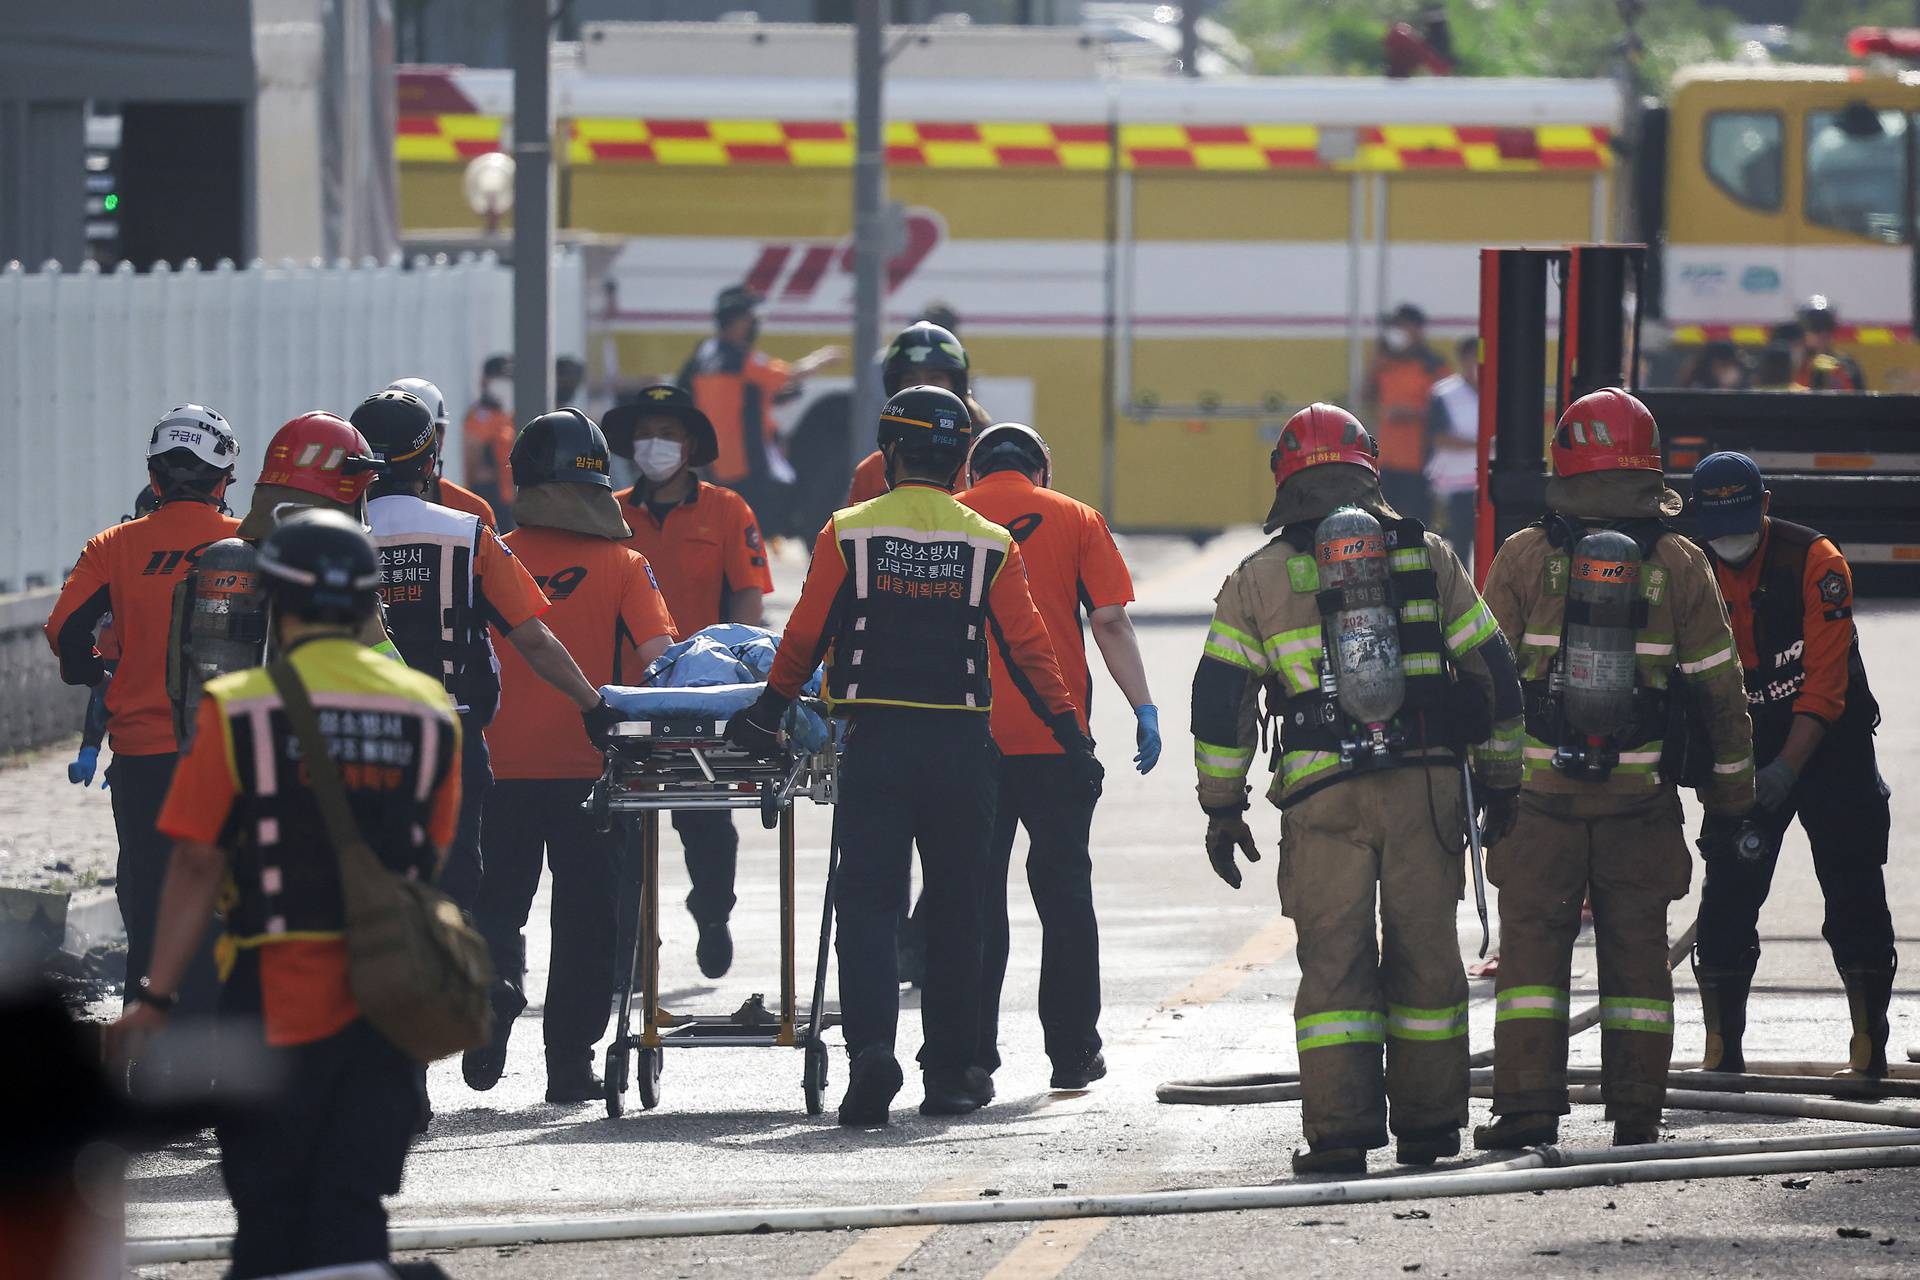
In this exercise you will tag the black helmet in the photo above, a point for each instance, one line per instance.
(399, 428)
(320, 565)
(1817, 315)
(1011, 444)
(926, 420)
(562, 447)
(673, 402)
(734, 300)
(922, 346)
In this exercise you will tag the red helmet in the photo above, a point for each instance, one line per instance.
(320, 454)
(1606, 430)
(1318, 434)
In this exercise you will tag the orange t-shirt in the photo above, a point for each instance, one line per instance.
(869, 479)
(449, 494)
(1399, 387)
(606, 604)
(1072, 564)
(706, 549)
(1826, 623)
(131, 570)
(304, 991)
(738, 401)
(488, 433)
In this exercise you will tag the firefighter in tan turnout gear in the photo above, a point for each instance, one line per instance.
(1381, 666)
(1615, 618)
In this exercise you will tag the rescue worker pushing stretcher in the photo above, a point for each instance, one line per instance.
(1381, 666)
(1616, 617)
(902, 598)
(1789, 595)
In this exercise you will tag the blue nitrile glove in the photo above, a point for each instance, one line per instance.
(80, 771)
(1146, 736)
(806, 729)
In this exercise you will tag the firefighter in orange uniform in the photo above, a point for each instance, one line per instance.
(1399, 384)
(442, 490)
(904, 591)
(130, 571)
(609, 613)
(1072, 564)
(704, 544)
(1789, 595)
(307, 1173)
(487, 436)
(736, 385)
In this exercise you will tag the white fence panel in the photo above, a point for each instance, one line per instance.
(90, 360)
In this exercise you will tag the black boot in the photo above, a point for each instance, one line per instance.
(570, 1077)
(714, 950)
(1330, 1157)
(1518, 1129)
(1425, 1147)
(1723, 1002)
(484, 1066)
(956, 1091)
(1869, 991)
(873, 1077)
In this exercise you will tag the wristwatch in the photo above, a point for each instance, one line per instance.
(143, 993)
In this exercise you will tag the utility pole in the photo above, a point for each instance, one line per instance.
(1190, 38)
(528, 42)
(869, 229)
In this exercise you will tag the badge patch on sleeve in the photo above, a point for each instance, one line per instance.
(1303, 574)
(1833, 586)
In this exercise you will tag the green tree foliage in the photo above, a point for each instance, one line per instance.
(1567, 38)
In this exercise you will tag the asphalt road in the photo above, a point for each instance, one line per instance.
(1198, 982)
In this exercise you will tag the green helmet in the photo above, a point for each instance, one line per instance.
(920, 347)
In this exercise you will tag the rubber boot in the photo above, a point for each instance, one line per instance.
(484, 1066)
(1636, 1131)
(1869, 991)
(1330, 1158)
(873, 1077)
(1723, 1002)
(1419, 1149)
(1516, 1130)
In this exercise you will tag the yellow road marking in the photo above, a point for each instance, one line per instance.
(881, 1251)
(1049, 1249)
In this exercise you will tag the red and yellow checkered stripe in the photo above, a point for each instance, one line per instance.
(1755, 335)
(828, 144)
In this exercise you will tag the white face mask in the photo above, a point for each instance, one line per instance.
(500, 390)
(659, 459)
(1736, 548)
(1397, 339)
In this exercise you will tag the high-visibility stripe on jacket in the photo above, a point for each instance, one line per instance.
(1267, 629)
(1686, 632)
(904, 594)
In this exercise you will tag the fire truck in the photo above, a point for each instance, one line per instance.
(1158, 270)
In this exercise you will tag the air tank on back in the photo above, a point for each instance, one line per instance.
(1601, 593)
(1363, 636)
(219, 625)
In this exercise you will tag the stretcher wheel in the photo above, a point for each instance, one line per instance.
(647, 1075)
(814, 1077)
(769, 807)
(615, 1078)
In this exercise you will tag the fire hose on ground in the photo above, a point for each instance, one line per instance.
(1546, 1169)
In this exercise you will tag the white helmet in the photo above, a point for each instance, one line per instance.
(427, 393)
(199, 431)
(1033, 449)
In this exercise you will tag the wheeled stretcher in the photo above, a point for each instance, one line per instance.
(670, 755)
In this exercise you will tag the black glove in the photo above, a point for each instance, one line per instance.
(1083, 769)
(1499, 811)
(1227, 830)
(756, 730)
(1719, 835)
(600, 719)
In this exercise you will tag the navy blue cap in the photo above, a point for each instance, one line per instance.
(1729, 495)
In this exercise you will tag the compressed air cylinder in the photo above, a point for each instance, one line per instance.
(1601, 592)
(1363, 635)
(226, 621)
